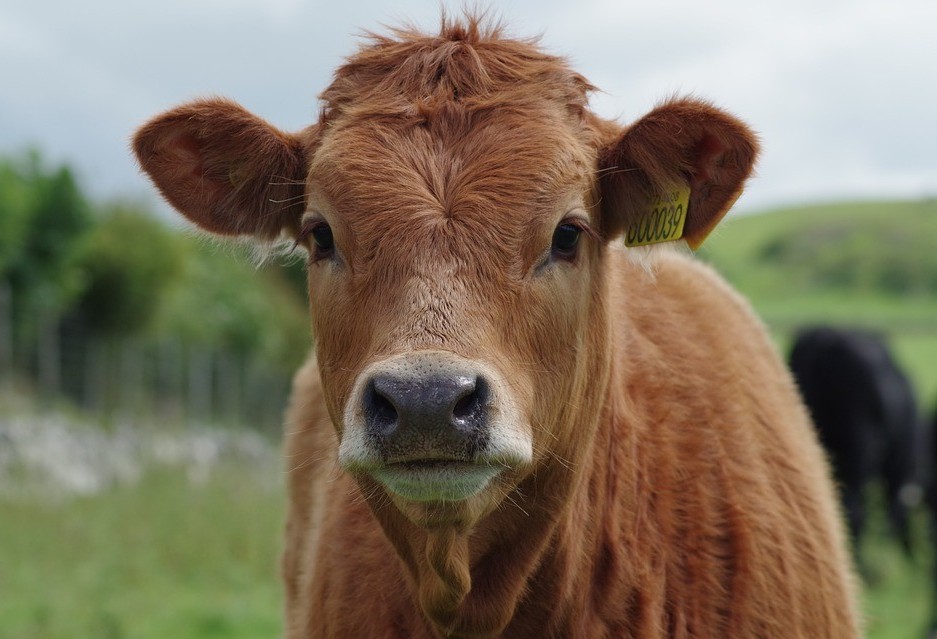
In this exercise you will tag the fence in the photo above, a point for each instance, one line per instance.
(55, 358)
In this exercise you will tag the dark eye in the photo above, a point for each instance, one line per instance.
(322, 240)
(322, 236)
(565, 241)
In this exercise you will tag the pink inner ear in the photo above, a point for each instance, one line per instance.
(195, 179)
(181, 146)
(183, 150)
(179, 167)
(708, 156)
(187, 151)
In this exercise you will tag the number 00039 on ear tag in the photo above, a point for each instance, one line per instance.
(662, 220)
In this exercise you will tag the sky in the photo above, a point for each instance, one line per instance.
(843, 93)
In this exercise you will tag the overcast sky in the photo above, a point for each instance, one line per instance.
(843, 93)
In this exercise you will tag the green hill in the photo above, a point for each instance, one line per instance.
(868, 264)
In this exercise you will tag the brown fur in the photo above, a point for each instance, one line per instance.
(676, 488)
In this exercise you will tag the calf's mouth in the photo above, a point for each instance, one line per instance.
(436, 480)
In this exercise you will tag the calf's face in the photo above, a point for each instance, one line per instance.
(457, 269)
(451, 278)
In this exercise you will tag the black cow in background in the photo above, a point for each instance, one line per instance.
(867, 418)
(931, 494)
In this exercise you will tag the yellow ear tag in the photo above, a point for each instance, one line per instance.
(662, 220)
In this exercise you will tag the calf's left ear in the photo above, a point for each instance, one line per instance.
(224, 168)
(681, 145)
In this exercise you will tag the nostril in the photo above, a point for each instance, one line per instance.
(465, 406)
(381, 411)
(473, 402)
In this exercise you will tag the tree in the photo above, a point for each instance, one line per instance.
(127, 261)
(15, 194)
(47, 216)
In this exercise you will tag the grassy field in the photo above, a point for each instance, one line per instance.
(167, 558)
(898, 590)
(164, 558)
(863, 264)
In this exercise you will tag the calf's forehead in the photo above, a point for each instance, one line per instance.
(507, 167)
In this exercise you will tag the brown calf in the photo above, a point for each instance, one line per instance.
(512, 426)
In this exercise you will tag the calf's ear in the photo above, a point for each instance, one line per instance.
(682, 145)
(225, 169)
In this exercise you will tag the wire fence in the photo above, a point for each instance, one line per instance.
(54, 358)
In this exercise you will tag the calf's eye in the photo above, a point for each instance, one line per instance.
(322, 236)
(565, 241)
(323, 244)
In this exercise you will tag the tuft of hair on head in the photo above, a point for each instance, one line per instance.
(477, 23)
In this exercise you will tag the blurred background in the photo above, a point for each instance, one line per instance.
(143, 368)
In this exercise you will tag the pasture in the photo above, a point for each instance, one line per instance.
(162, 558)
(861, 264)
(184, 549)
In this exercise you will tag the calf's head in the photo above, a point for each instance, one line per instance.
(458, 203)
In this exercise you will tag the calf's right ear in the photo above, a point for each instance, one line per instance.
(225, 169)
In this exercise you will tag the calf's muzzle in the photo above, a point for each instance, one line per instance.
(434, 426)
(427, 416)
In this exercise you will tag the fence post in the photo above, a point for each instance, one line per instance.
(229, 388)
(6, 336)
(130, 381)
(200, 385)
(169, 388)
(49, 353)
(95, 377)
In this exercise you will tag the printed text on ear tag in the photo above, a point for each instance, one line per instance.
(662, 220)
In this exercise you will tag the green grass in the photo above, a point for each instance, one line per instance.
(164, 558)
(898, 605)
(899, 592)
(877, 258)
(169, 559)
(852, 246)
(918, 354)
(861, 264)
